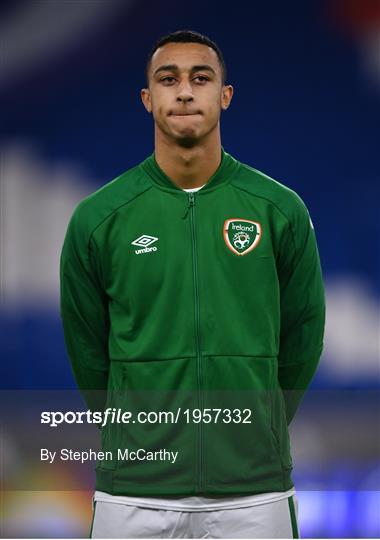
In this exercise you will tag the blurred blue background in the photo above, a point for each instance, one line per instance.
(306, 111)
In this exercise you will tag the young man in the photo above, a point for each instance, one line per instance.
(192, 284)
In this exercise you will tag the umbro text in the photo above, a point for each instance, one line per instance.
(145, 250)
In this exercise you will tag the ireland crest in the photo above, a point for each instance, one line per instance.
(241, 235)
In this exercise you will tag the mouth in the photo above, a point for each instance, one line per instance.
(182, 114)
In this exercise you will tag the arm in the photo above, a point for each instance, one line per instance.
(84, 312)
(302, 309)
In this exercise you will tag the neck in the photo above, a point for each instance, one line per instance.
(188, 167)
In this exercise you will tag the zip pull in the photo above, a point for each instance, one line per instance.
(191, 202)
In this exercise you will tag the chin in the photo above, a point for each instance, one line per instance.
(187, 137)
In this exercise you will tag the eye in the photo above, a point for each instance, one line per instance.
(201, 78)
(167, 80)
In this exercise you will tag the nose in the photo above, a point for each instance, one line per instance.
(185, 92)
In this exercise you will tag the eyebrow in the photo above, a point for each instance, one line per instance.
(174, 67)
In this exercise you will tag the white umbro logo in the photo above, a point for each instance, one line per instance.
(144, 241)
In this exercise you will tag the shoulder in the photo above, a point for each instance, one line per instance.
(94, 209)
(285, 199)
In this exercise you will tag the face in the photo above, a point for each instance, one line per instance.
(186, 92)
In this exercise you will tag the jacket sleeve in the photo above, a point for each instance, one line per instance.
(84, 313)
(302, 301)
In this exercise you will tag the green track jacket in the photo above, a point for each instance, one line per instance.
(208, 305)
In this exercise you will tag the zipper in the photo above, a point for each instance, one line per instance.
(191, 208)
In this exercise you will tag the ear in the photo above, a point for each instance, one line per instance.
(146, 99)
(227, 93)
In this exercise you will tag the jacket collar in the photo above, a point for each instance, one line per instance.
(222, 175)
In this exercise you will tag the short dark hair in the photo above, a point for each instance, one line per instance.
(187, 36)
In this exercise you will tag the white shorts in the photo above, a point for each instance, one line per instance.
(276, 519)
